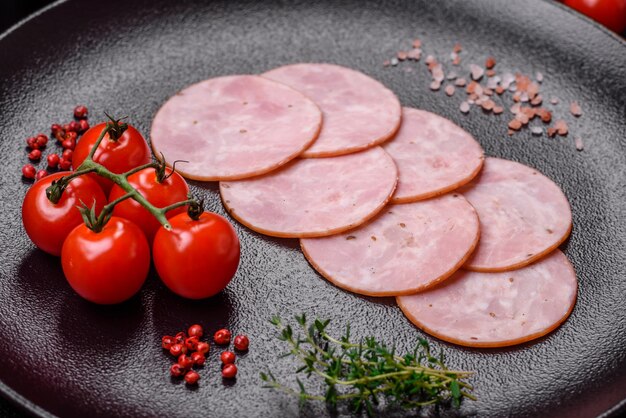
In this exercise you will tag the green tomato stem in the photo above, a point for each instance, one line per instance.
(90, 166)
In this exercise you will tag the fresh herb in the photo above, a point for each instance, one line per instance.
(365, 374)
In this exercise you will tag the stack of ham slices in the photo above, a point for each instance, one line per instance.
(386, 201)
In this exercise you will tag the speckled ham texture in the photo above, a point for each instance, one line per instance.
(408, 248)
(433, 155)
(496, 309)
(359, 112)
(234, 127)
(523, 215)
(314, 197)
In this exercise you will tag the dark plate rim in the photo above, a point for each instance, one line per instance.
(30, 407)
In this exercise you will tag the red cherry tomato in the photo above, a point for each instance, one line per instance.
(196, 258)
(128, 151)
(109, 266)
(171, 190)
(48, 224)
(610, 13)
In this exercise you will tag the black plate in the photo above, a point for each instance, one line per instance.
(62, 356)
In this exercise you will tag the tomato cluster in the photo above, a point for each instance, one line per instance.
(106, 264)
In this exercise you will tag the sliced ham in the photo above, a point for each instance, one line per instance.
(523, 215)
(314, 197)
(408, 248)
(496, 309)
(433, 155)
(359, 112)
(234, 127)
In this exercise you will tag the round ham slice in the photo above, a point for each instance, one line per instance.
(359, 112)
(523, 215)
(496, 309)
(314, 197)
(407, 248)
(234, 127)
(433, 155)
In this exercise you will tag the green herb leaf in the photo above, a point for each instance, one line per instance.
(368, 375)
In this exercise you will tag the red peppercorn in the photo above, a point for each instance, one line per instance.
(241, 343)
(191, 343)
(176, 370)
(229, 371)
(65, 164)
(198, 359)
(195, 331)
(53, 160)
(222, 337)
(180, 337)
(177, 349)
(80, 112)
(185, 361)
(67, 154)
(68, 144)
(34, 155)
(203, 347)
(74, 126)
(66, 127)
(84, 125)
(28, 171)
(41, 174)
(42, 140)
(71, 135)
(192, 377)
(228, 357)
(56, 128)
(167, 341)
(32, 143)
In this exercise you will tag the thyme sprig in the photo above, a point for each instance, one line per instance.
(365, 374)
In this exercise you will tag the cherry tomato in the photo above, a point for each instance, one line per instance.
(48, 224)
(196, 258)
(128, 151)
(171, 190)
(610, 13)
(109, 266)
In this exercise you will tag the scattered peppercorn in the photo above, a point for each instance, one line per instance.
(185, 361)
(192, 377)
(228, 357)
(53, 160)
(29, 171)
(34, 155)
(80, 112)
(195, 331)
(241, 343)
(176, 370)
(41, 174)
(222, 337)
(198, 358)
(229, 371)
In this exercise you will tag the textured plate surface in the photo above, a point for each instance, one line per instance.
(62, 356)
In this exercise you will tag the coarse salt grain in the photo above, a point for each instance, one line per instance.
(536, 130)
(435, 85)
(578, 141)
(477, 72)
(575, 109)
(465, 107)
(460, 82)
(449, 89)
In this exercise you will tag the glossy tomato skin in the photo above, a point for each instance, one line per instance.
(196, 259)
(171, 190)
(48, 224)
(109, 266)
(128, 151)
(610, 13)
